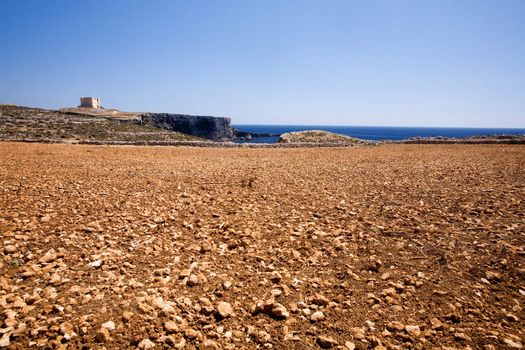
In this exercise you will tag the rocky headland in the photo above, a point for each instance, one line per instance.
(317, 137)
(81, 125)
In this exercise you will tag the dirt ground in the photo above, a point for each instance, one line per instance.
(396, 247)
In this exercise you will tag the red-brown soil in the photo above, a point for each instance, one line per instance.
(396, 247)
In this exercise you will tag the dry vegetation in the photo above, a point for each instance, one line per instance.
(396, 247)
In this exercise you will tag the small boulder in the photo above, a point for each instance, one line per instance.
(10, 249)
(4, 341)
(96, 264)
(320, 300)
(275, 310)
(191, 333)
(193, 280)
(492, 276)
(102, 335)
(110, 325)
(146, 344)
(224, 310)
(395, 326)
(413, 330)
(66, 329)
(317, 316)
(171, 327)
(349, 345)
(326, 342)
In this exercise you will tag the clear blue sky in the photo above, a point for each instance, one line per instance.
(342, 62)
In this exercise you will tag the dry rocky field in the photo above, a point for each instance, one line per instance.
(387, 247)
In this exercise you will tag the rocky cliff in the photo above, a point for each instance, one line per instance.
(212, 128)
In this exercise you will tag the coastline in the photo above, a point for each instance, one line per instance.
(112, 127)
(222, 144)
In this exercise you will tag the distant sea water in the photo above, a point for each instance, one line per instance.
(374, 133)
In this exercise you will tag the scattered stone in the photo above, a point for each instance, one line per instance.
(210, 344)
(226, 285)
(127, 316)
(184, 273)
(146, 344)
(492, 276)
(224, 309)
(193, 280)
(275, 310)
(413, 330)
(4, 341)
(96, 264)
(191, 333)
(109, 325)
(374, 265)
(513, 344)
(326, 342)
(358, 332)
(436, 324)
(55, 279)
(276, 277)
(317, 316)
(50, 255)
(102, 335)
(171, 327)
(349, 345)
(395, 326)
(66, 329)
(276, 241)
(320, 300)
(10, 249)
(462, 337)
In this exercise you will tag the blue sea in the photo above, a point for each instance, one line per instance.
(375, 133)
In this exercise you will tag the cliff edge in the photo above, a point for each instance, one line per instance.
(211, 128)
(207, 127)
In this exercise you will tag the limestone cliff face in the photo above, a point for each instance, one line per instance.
(212, 128)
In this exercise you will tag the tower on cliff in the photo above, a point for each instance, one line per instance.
(90, 102)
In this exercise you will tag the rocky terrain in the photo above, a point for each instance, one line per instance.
(41, 125)
(102, 125)
(103, 113)
(392, 247)
(481, 139)
(319, 137)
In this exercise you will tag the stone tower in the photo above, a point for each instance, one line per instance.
(90, 102)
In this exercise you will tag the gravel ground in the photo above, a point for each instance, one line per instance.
(391, 247)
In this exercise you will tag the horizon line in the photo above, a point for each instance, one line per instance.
(386, 126)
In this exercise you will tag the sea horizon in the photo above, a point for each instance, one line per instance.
(373, 133)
